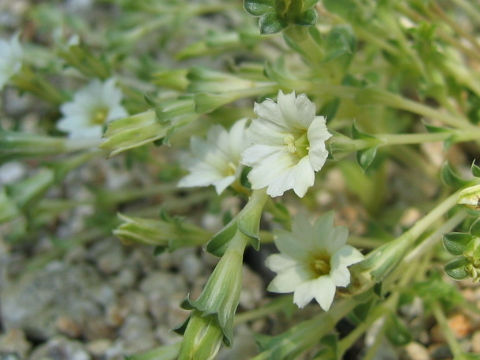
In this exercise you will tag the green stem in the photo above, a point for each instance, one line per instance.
(451, 340)
(304, 335)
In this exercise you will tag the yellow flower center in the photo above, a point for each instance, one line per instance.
(297, 146)
(320, 264)
(99, 116)
(231, 169)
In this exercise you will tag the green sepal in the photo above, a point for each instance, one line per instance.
(475, 228)
(219, 242)
(451, 178)
(221, 293)
(270, 23)
(365, 157)
(475, 170)
(456, 268)
(396, 331)
(259, 7)
(456, 243)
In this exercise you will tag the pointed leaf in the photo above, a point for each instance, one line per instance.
(451, 178)
(366, 157)
(475, 170)
(455, 243)
(258, 7)
(475, 228)
(271, 24)
(456, 268)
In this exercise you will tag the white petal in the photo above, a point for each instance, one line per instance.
(286, 102)
(279, 262)
(222, 184)
(305, 110)
(324, 288)
(256, 153)
(281, 183)
(270, 111)
(304, 176)
(317, 135)
(289, 244)
(237, 137)
(346, 256)
(337, 239)
(340, 276)
(289, 280)
(266, 132)
(270, 169)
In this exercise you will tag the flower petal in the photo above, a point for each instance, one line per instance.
(317, 135)
(280, 262)
(289, 244)
(340, 276)
(304, 176)
(347, 255)
(288, 280)
(337, 238)
(324, 289)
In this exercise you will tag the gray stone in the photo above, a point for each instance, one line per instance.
(60, 348)
(38, 299)
(137, 334)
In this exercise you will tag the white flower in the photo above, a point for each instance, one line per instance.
(313, 261)
(10, 59)
(216, 161)
(92, 107)
(288, 145)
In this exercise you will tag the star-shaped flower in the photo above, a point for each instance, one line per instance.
(216, 160)
(10, 59)
(313, 261)
(92, 107)
(288, 145)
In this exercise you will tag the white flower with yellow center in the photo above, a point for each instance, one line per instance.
(313, 261)
(10, 59)
(91, 108)
(216, 160)
(288, 145)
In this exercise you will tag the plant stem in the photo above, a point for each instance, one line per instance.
(451, 340)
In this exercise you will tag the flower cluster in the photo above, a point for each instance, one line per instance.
(313, 261)
(284, 145)
(10, 59)
(92, 107)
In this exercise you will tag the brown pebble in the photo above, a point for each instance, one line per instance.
(460, 325)
(68, 326)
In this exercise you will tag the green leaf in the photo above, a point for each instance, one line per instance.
(258, 7)
(475, 228)
(475, 170)
(451, 178)
(456, 268)
(366, 157)
(396, 331)
(271, 24)
(455, 243)
(329, 349)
